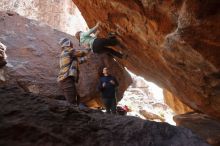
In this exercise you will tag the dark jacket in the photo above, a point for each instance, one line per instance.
(110, 89)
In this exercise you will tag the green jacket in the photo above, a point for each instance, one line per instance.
(86, 38)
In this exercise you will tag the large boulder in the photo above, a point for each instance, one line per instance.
(33, 60)
(172, 43)
(173, 102)
(90, 74)
(30, 120)
(205, 126)
(62, 15)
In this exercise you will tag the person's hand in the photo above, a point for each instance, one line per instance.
(97, 32)
(89, 50)
(89, 55)
(112, 82)
(104, 84)
(85, 45)
(98, 23)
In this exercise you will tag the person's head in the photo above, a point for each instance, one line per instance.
(77, 35)
(65, 42)
(105, 71)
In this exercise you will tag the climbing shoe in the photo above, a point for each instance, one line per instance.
(112, 35)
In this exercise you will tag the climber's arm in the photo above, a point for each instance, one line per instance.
(92, 30)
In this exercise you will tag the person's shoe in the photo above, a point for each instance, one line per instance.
(112, 35)
(125, 56)
(85, 109)
(74, 105)
(82, 106)
(56, 109)
(121, 46)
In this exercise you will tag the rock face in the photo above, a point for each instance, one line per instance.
(89, 78)
(33, 60)
(174, 43)
(201, 124)
(32, 120)
(62, 15)
(173, 102)
(151, 116)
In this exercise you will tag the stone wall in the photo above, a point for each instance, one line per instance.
(60, 14)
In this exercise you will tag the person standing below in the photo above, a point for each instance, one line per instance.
(99, 45)
(70, 59)
(107, 86)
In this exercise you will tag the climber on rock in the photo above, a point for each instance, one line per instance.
(99, 45)
(70, 59)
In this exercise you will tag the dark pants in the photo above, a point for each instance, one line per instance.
(69, 89)
(110, 105)
(100, 45)
(2, 63)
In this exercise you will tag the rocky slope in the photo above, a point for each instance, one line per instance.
(27, 119)
(203, 125)
(174, 43)
(33, 60)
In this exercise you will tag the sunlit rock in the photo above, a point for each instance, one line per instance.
(172, 43)
(173, 102)
(62, 15)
